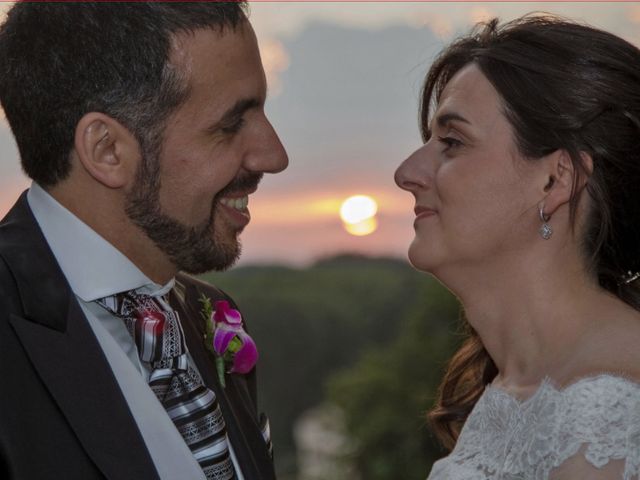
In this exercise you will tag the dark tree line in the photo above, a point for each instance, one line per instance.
(370, 335)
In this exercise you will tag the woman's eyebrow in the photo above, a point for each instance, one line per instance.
(443, 119)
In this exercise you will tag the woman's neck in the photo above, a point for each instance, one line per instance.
(532, 317)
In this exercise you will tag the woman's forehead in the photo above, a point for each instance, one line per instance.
(469, 97)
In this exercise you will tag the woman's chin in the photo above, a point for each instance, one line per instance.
(421, 256)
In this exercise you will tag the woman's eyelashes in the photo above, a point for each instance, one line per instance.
(450, 143)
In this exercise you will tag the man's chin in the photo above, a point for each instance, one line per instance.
(228, 253)
(219, 257)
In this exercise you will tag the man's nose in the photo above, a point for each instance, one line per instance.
(268, 155)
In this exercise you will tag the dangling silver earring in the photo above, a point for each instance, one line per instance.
(545, 230)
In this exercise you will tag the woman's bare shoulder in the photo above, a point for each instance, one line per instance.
(613, 348)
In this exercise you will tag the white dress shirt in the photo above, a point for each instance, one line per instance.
(94, 269)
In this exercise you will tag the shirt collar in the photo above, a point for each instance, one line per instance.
(94, 267)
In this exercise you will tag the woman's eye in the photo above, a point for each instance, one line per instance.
(449, 142)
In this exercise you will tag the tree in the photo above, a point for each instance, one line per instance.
(345, 312)
(386, 394)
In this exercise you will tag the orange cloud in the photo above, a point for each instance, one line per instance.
(480, 14)
(320, 207)
(275, 60)
(634, 13)
(440, 25)
(301, 243)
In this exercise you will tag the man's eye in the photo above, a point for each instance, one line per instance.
(449, 142)
(233, 127)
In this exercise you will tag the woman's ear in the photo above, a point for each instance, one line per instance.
(106, 149)
(562, 178)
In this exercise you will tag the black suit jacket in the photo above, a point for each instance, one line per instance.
(62, 414)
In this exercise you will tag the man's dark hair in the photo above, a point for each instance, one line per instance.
(60, 61)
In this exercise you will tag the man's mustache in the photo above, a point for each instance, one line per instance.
(247, 182)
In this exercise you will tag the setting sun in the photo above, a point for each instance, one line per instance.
(358, 215)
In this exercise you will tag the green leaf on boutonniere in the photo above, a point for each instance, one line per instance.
(207, 312)
(220, 369)
(207, 315)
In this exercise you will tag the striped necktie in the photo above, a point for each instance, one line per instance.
(192, 407)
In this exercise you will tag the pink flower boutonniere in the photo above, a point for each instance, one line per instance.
(233, 348)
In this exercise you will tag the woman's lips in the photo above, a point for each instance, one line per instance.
(423, 212)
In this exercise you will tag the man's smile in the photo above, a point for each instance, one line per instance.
(239, 203)
(235, 209)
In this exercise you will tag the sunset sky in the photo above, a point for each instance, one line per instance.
(344, 82)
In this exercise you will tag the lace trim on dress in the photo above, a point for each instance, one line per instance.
(505, 438)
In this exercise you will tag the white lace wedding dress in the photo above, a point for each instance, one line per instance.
(588, 430)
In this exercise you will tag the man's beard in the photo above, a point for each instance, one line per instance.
(196, 249)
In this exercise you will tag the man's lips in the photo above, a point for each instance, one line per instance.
(238, 200)
(235, 204)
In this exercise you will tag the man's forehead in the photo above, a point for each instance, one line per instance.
(222, 69)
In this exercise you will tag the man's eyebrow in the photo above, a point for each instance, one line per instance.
(448, 117)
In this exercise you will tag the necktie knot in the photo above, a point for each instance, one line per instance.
(151, 317)
(155, 329)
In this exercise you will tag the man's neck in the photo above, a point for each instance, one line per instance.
(104, 212)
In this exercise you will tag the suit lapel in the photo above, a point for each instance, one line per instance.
(235, 399)
(66, 354)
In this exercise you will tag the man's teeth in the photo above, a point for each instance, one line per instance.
(237, 203)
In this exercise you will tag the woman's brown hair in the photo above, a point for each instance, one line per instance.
(564, 86)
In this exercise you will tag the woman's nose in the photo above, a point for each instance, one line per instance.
(412, 174)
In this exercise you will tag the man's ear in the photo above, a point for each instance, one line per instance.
(560, 177)
(106, 149)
